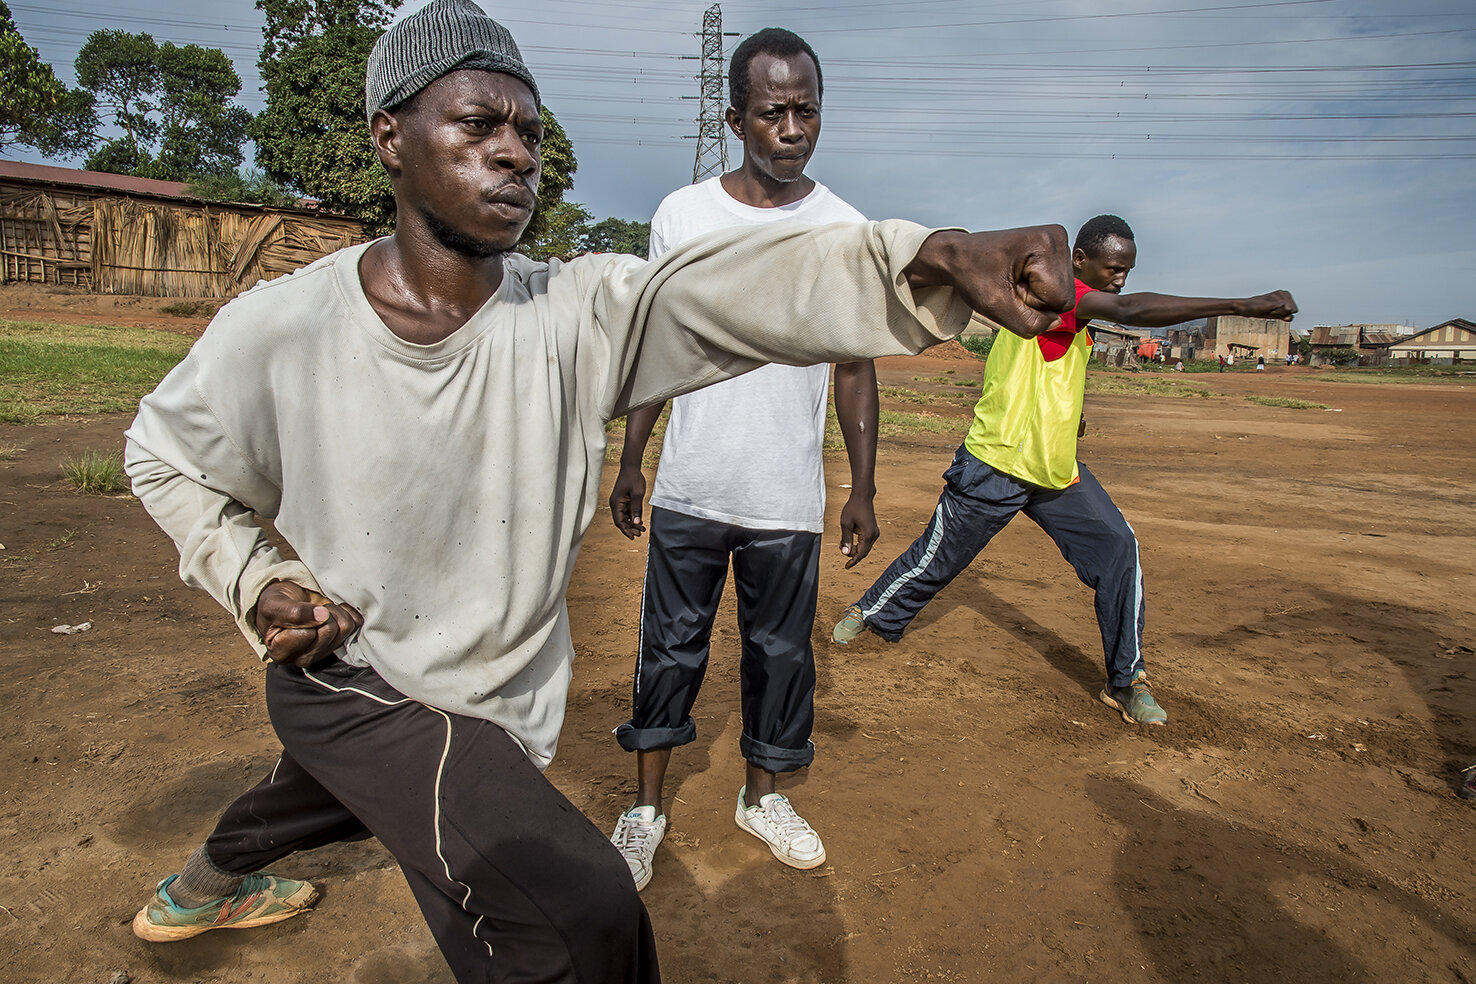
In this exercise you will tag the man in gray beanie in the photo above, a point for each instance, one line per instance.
(424, 417)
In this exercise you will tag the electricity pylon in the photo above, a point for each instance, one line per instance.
(712, 135)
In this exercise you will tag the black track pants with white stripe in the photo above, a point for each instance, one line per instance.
(514, 882)
(977, 502)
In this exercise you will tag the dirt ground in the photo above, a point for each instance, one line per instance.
(1312, 615)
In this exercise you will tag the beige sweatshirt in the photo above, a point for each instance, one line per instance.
(443, 490)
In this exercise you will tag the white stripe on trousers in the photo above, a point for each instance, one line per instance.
(922, 565)
(440, 771)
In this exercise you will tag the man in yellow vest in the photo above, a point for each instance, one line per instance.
(1020, 456)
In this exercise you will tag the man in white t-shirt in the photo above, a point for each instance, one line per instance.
(742, 477)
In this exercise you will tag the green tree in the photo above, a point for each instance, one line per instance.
(559, 165)
(121, 70)
(252, 186)
(564, 227)
(312, 135)
(291, 22)
(36, 109)
(618, 236)
(172, 102)
(68, 130)
(202, 131)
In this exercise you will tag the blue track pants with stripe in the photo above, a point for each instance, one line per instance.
(977, 502)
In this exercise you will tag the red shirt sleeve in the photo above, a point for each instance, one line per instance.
(1053, 344)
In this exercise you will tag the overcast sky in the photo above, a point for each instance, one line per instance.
(1324, 146)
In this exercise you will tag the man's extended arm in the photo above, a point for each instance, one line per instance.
(629, 493)
(706, 311)
(1160, 310)
(857, 412)
(1020, 279)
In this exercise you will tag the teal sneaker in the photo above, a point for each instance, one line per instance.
(260, 900)
(1135, 701)
(850, 626)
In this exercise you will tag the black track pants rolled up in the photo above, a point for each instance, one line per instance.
(514, 882)
(776, 574)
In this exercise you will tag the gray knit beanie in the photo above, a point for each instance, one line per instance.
(444, 36)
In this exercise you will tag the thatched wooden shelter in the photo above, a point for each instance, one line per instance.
(116, 234)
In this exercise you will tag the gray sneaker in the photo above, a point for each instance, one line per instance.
(774, 822)
(638, 833)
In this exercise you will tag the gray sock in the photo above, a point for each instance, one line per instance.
(200, 881)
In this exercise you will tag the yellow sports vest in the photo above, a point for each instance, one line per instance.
(1026, 419)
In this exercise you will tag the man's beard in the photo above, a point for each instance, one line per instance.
(458, 242)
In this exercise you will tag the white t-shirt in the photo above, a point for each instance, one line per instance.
(747, 451)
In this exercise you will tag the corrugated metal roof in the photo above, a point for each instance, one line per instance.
(1335, 335)
(50, 174)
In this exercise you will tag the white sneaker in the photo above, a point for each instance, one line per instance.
(638, 833)
(775, 823)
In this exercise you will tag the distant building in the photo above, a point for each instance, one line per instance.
(116, 234)
(1451, 342)
(1369, 344)
(1114, 346)
(1245, 338)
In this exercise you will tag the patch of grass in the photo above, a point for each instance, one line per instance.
(977, 344)
(9, 451)
(1106, 384)
(1394, 374)
(52, 369)
(894, 423)
(189, 309)
(64, 540)
(1286, 401)
(96, 473)
(947, 399)
(903, 395)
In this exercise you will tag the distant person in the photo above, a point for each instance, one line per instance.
(1020, 456)
(1260, 363)
(742, 478)
(1222, 363)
